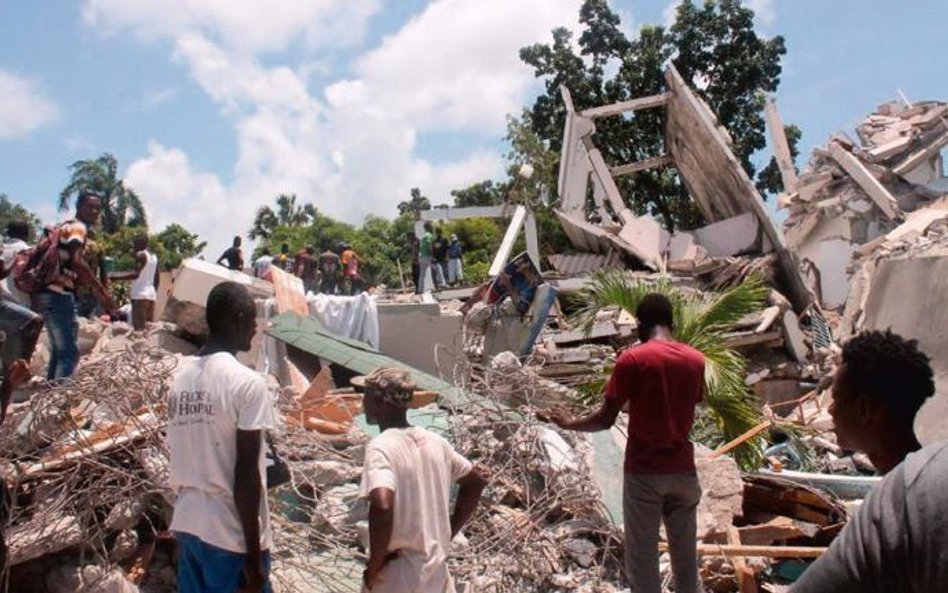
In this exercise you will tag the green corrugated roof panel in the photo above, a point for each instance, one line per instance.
(309, 335)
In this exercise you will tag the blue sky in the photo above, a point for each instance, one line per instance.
(215, 106)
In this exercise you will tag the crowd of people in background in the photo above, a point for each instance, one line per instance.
(330, 272)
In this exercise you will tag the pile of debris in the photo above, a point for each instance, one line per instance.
(854, 198)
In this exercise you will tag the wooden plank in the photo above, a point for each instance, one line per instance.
(746, 578)
(777, 529)
(735, 443)
(751, 339)
(921, 155)
(788, 172)
(866, 180)
(601, 170)
(652, 163)
(731, 550)
(626, 106)
(503, 252)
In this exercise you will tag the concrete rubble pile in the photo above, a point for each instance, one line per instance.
(868, 221)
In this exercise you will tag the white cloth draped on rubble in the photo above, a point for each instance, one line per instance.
(355, 317)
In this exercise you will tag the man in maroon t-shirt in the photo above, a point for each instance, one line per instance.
(661, 380)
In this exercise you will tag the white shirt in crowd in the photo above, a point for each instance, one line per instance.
(143, 288)
(10, 250)
(211, 397)
(262, 266)
(420, 467)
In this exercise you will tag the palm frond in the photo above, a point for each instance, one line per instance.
(727, 308)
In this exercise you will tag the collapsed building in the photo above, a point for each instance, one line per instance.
(86, 460)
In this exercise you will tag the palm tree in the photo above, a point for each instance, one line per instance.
(288, 213)
(701, 319)
(120, 205)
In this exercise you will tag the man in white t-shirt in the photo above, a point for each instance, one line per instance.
(263, 265)
(407, 478)
(218, 412)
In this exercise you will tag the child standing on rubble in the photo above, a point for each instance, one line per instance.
(407, 478)
(218, 411)
(662, 381)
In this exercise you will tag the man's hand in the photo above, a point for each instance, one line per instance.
(558, 415)
(254, 575)
(18, 373)
(372, 574)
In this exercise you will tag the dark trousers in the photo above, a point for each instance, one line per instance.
(647, 501)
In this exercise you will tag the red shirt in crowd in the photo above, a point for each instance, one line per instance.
(662, 381)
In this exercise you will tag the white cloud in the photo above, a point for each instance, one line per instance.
(456, 64)
(350, 147)
(173, 192)
(250, 26)
(23, 106)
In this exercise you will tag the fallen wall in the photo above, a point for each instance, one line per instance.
(907, 295)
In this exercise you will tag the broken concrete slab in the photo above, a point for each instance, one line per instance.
(732, 236)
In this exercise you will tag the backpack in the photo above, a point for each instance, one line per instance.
(36, 268)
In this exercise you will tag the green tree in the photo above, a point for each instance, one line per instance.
(769, 180)
(10, 211)
(713, 45)
(416, 204)
(120, 205)
(484, 193)
(178, 244)
(287, 213)
(701, 319)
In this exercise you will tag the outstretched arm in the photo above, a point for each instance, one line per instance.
(602, 419)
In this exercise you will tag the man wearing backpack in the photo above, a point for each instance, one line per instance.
(51, 272)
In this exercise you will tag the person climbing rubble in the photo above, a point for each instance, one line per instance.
(407, 478)
(218, 411)
(898, 540)
(662, 382)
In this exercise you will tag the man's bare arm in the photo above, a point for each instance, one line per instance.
(602, 419)
(472, 486)
(248, 492)
(381, 523)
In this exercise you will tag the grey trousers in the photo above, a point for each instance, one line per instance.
(647, 500)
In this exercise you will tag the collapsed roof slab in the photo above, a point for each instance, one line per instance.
(715, 179)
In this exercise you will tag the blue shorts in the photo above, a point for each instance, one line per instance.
(203, 568)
